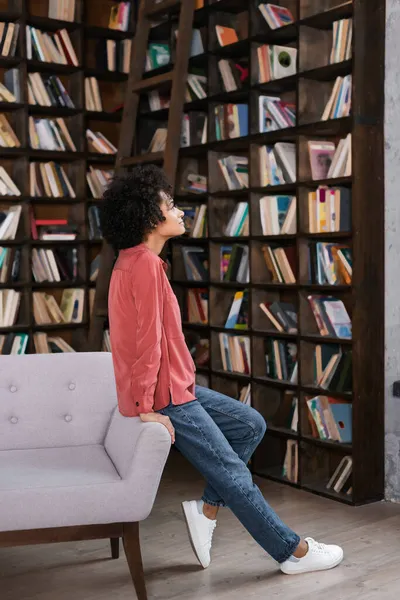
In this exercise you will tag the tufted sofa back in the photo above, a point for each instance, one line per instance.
(54, 400)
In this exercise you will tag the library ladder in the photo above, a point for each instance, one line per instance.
(148, 11)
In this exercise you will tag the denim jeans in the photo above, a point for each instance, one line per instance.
(218, 435)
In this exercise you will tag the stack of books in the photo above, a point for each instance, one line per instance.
(231, 121)
(95, 232)
(9, 33)
(329, 209)
(339, 103)
(235, 171)
(330, 263)
(277, 164)
(92, 95)
(48, 91)
(63, 10)
(235, 353)
(7, 185)
(278, 215)
(197, 306)
(47, 311)
(275, 62)
(333, 368)
(194, 129)
(13, 343)
(341, 478)
(238, 224)
(9, 220)
(97, 180)
(10, 264)
(331, 316)
(8, 139)
(50, 134)
(97, 142)
(119, 16)
(276, 16)
(234, 74)
(275, 114)
(9, 307)
(157, 55)
(328, 161)
(282, 316)
(196, 220)
(281, 263)
(53, 230)
(234, 263)
(330, 419)
(49, 180)
(281, 360)
(53, 48)
(238, 317)
(45, 344)
(195, 262)
(196, 87)
(113, 55)
(58, 264)
(342, 40)
(10, 91)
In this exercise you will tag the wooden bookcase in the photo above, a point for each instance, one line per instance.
(90, 25)
(310, 87)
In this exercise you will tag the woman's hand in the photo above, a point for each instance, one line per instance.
(157, 418)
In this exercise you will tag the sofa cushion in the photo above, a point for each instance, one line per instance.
(50, 400)
(55, 467)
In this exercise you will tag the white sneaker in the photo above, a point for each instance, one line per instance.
(200, 531)
(318, 558)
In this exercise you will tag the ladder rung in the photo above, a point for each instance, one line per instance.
(102, 312)
(151, 157)
(152, 82)
(163, 6)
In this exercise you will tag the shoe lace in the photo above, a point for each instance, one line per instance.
(316, 545)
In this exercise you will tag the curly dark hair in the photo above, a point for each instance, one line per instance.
(131, 206)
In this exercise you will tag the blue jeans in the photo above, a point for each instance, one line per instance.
(218, 435)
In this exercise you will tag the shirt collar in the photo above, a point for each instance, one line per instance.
(143, 248)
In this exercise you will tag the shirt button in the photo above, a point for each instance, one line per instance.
(68, 418)
(14, 420)
(72, 386)
(137, 403)
(13, 388)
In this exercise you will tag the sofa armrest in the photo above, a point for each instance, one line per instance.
(137, 449)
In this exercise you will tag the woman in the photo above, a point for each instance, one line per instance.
(155, 377)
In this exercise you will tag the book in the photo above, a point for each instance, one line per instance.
(275, 114)
(321, 156)
(276, 16)
(276, 62)
(278, 215)
(226, 35)
(231, 121)
(339, 103)
(331, 316)
(235, 353)
(277, 164)
(341, 40)
(238, 313)
(329, 209)
(235, 171)
(282, 316)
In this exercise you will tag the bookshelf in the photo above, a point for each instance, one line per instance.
(292, 453)
(87, 25)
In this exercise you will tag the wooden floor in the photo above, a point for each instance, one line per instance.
(240, 569)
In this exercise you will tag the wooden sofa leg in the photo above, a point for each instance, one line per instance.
(131, 543)
(114, 543)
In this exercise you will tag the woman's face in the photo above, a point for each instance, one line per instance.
(173, 224)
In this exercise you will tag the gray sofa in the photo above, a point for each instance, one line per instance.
(71, 466)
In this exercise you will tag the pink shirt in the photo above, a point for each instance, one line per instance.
(150, 356)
